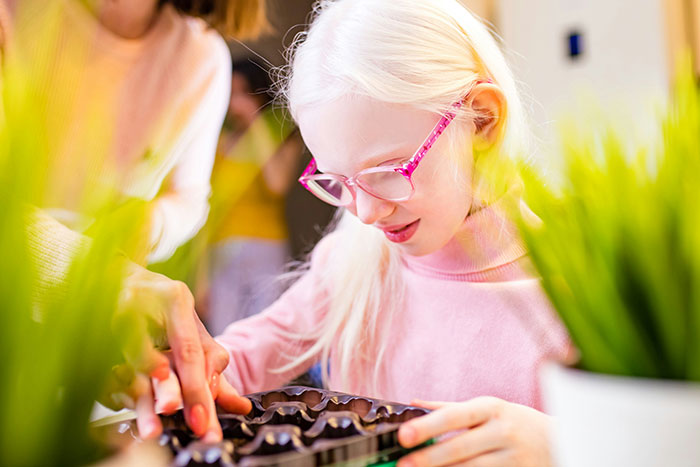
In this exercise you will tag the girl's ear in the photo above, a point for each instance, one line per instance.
(488, 105)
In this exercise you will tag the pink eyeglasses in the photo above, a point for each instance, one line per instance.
(390, 183)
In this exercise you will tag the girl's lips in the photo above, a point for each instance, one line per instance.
(402, 233)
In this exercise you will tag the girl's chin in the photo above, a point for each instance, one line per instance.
(423, 244)
(417, 248)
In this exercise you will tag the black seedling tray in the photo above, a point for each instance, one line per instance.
(295, 426)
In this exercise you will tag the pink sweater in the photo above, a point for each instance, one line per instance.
(475, 323)
(143, 114)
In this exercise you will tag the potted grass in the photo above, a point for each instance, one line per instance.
(619, 255)
(56, 337)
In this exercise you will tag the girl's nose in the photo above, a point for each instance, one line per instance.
(370, 209)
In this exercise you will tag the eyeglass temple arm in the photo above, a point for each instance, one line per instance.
(439, 128)
(310, 169)
(412, 163)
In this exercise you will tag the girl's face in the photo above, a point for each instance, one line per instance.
(356, 132)
(130, 19)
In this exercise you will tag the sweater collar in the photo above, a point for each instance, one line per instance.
(486, 242)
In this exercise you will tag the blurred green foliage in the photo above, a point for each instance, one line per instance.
(619, 246)
(56, 344)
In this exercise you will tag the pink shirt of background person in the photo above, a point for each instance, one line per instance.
(151, 107)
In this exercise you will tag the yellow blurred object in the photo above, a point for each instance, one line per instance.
(242, 204)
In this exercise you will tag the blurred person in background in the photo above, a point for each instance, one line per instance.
(257, 156)
(135, 94)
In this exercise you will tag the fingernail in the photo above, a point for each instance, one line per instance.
(166, 408)
(407, 435)
(212, 436)
(198, 419)
(248, 405)
(161, 373)
(149, 430)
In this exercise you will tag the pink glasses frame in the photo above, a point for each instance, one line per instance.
(406, 169)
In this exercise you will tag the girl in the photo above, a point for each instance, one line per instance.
(423, 291)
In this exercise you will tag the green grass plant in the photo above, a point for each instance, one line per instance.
(619, 246)
(55, 340)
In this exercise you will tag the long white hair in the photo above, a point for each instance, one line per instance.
(425, 53)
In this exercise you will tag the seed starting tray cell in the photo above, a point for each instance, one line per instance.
(297, 426)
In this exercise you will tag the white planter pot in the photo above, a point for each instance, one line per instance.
(615, 421)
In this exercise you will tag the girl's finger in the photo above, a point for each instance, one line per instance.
(492, 459)
(468, 445)
(216, 361)
(215, 355)
(138, 347)
(168, 397)
(113, 394)
(147, 421)
(229, 399)
(190, 364)
(431, 405)
(450, 417)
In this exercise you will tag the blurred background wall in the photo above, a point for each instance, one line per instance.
(618, 55)
(614, 50)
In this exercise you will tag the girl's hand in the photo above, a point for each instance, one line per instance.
(486, 431)
(170, 358)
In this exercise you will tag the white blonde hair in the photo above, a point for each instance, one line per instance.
(425, 53)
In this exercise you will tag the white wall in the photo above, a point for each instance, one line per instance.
(624, 63)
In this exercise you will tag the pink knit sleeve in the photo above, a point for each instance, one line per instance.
(52, 247)
(182, 206)
(558, 344)
(262, 343)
